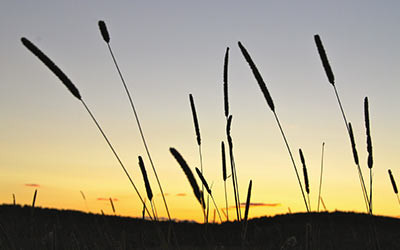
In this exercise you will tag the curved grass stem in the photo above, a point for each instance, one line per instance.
(140, 129)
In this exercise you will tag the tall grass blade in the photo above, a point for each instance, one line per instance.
(226, 102)
(258, 77)
(14, 202)
(320, 177)
(268, 98)
(52, 66)
(106, 38)
(189, 175)
(369, 149)
(324, 59)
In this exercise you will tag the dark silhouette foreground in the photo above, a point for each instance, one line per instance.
(40, 228)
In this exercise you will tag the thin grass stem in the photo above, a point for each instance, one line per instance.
(137, 121)
(116, 156)
(271, 105)
(292, 159)
(320, 177)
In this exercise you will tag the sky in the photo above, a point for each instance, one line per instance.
(169, 49)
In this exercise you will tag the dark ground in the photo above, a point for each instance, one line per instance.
(38, 228)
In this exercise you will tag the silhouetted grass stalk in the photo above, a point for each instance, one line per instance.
(305, 174)
(146, 181)
(320, 177)
(233, 168)
(229, 138)
(84, 199)
(112, 205)
(14, 203)
(106, 37)
(271, 105)
(323, 204)
(34, 198)
(198, 140)
(203, 180)
(75, 92)
(224, 177)
(331, 79)
(225, 85)
(246, 212)
(392, 180)
(189, 175)
(369, 149)
(360, 175)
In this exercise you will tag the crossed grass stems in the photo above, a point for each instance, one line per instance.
(199, 193)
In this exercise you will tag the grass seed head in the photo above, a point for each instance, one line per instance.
(246, 211)
(306, 182)
(324, 59)
(145, 179)
(188, 173)
(393, 182)
(226, 102)
(223, 161)
(228, 131)
(368, 132)
(258, 77)
(52, 66)
(104, 31)
(195, 120)
(112, 205)
(203, 180)
(353, 144)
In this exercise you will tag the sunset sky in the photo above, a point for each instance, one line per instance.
(169, 49)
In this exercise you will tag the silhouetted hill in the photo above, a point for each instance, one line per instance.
(41, 228)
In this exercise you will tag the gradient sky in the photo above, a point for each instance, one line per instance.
(168, 49)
